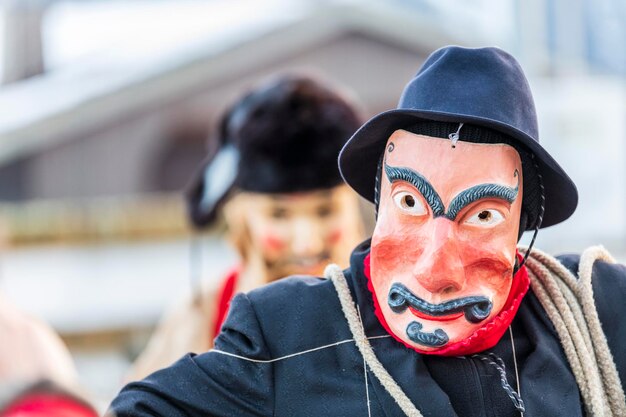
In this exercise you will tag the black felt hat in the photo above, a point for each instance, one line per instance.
(282, 137)
(483, 87)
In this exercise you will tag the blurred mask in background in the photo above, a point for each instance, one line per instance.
(294, 233)
(276, 181)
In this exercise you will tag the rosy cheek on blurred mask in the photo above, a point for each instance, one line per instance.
(334, 236)
(271, 242)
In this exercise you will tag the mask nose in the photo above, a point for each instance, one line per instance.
(306, 238)
(439, 268)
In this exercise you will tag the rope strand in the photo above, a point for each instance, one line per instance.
(367, 389)
(349, 310)
(570, 306)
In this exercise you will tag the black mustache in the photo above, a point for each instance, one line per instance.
(476, 308)
(435, 339)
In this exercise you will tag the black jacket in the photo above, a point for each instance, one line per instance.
(301, 313)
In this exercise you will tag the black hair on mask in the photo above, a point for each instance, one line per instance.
(288, 134)
(532, 197)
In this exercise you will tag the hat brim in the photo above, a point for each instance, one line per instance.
(358, 160)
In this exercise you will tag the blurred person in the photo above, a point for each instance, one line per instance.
(33, 360)
(440, 313)
(30, 350)
(37, 374)
(275, 181)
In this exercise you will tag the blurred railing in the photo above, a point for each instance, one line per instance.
(94, 219)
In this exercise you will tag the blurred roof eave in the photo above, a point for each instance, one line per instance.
(64, 104)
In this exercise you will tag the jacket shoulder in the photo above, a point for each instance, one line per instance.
(299, 286)
(608, 281)
(207, 384)
(570, 261)
(604, 273)
(298, 313)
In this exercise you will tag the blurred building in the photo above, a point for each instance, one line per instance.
(129, 126)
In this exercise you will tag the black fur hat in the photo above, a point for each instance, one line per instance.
(282, 137)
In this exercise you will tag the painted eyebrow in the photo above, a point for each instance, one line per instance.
(418, 181)
(478, 192)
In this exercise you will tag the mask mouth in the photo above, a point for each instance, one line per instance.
(449, 317)
(475, 308)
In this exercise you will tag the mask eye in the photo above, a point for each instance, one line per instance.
(409, 203)
(324, 211)
(279, 213)
(488, 217)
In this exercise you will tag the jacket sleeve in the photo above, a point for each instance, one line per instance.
(213, 383)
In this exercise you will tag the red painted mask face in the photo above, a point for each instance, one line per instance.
(443, 251)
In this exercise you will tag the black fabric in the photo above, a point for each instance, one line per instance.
(472, 377)
(481, 86)
(296, 314)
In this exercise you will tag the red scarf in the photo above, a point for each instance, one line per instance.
(225, 295)
(485, 337)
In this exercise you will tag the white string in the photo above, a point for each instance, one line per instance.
(519, 387)
(367, 390)
(221, 352)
